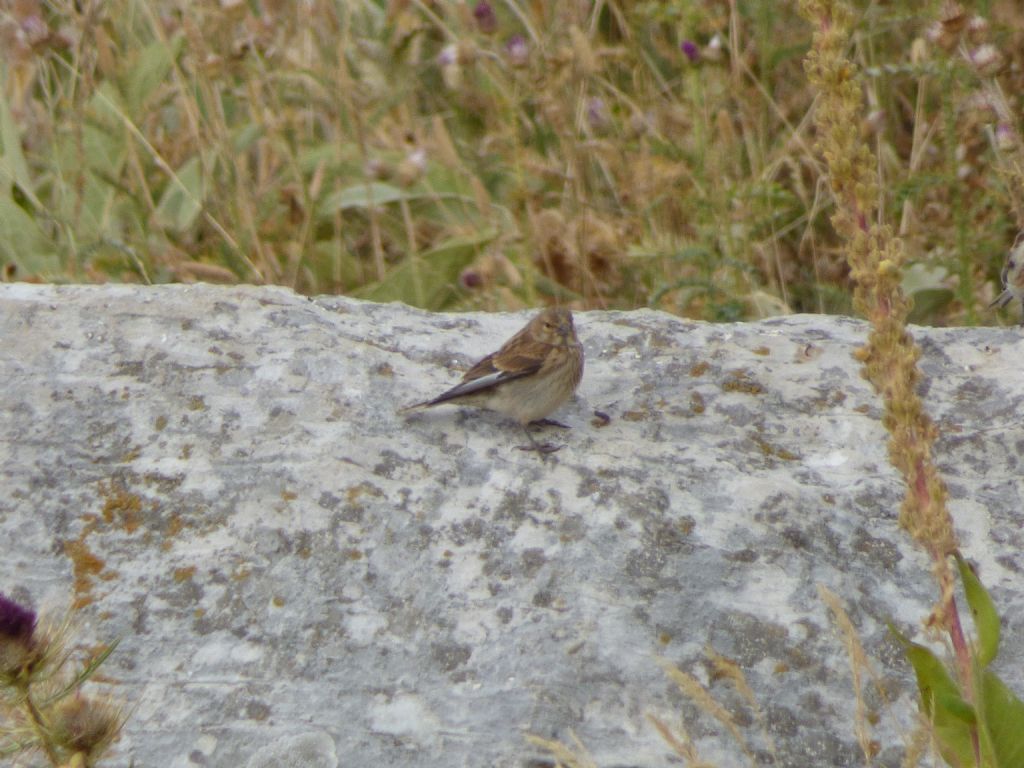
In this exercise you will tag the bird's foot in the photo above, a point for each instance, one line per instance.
(550, 423)
(542, 448)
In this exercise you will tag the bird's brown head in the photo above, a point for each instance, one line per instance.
(554, 326)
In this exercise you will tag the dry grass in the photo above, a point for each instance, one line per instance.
(475, 155)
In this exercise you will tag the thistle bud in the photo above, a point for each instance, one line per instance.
(84, 725)
(953, 18)
(378, 169)
(19, 651)
(977, 30)
(412, 167)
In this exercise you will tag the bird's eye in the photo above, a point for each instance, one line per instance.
(1013, 264)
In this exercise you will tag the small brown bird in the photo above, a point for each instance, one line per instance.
(533, 373)
(1012, 276)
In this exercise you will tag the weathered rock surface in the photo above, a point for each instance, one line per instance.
(303, 576)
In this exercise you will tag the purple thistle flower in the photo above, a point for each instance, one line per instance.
(597, 113)
(471, 278)
(35, 29)
(448, 55)
(486, 21)
(691, 50)
(1006, 137)
(518, 51)
(16, 622)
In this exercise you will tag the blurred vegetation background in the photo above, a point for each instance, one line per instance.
(502, 154)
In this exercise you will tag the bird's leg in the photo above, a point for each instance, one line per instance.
(542, 448)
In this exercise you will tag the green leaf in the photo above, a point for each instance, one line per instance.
(93, 190)
(1004, 722)
(933, 681)
(23, 242)
(245, 136)
(107, 107)
(986, 619)
(957, 709)
(365, 196)
(696, 254)
(148, 71)
(926, 285)
(12, 160)
(953, 718)
(332, 268)
(431, 280)
(553, 288)
(182, 199)
(927, 303)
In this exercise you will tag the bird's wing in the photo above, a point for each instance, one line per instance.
(490, 372)
(470, 387)
(506, 364)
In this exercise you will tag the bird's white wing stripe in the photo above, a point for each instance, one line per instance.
(484, 382)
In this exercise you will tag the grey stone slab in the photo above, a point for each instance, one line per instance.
(302, 575)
